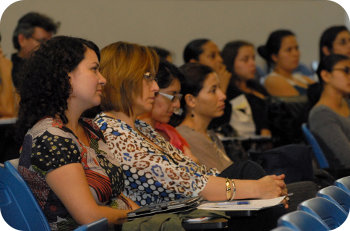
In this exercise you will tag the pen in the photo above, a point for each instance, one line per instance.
(234, 203)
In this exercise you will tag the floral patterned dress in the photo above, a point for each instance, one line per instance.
(49, 145)
(152, 175)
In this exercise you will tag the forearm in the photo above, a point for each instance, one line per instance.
(215, 190)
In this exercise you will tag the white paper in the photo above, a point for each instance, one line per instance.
(237, 205)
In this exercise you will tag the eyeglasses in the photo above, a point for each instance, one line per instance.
(40, 40)
(149, 77)
(172, 98)
(346, 70)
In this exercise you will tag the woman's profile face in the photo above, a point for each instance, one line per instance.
(143, 103)
(164, 107)
(86, 82)
(244, 63)
(288, 55)
(211, 56)
(210, 101)
(339, 78)
(341, 43)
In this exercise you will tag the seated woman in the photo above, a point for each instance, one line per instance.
(246, 96)
(155, 170)
(64, 159)
(166, 102)
(329, 119)
(281, 53)
(205, 51)
(334, 40)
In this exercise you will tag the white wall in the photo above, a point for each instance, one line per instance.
(173, 23)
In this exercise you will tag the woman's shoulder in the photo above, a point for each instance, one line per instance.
(104, 121)
(49, 125)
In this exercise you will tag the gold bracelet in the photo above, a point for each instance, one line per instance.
(233, 190)
(228, 189)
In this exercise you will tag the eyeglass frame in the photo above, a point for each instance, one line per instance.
(149, 77)
(346, 70)
(172, 98)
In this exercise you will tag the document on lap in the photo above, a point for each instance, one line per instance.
(239, 205)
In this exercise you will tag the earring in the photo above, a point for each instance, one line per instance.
(192, 115)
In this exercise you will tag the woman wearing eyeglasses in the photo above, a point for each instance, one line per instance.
(155, 170)
(167, 102)
(329, 119)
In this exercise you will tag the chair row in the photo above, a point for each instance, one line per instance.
(328, 210)
(20, 209)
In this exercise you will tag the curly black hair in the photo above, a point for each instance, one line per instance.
(45, 86)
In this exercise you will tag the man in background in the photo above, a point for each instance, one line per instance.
(32, 29)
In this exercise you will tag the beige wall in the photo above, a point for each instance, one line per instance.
(173, 23)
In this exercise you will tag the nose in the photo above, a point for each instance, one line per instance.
(219, 58)
(102, 80)
(176, 104)
(155, 87)
(221, 95)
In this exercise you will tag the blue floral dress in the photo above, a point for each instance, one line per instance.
(152, 175)
(49, 145)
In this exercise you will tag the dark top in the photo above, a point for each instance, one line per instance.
(258, 106)
(17, 64)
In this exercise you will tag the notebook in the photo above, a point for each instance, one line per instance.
(176, 206)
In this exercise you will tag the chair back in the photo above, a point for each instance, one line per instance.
(343, 183)
(330, 213)
(337, 195)
(300, 220)
(99, 225)
(320, 157)
(18, 205)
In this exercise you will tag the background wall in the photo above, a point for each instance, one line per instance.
(173, 23)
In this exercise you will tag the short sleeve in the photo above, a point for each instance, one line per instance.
(51, 151)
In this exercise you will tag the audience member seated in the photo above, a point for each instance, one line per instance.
(163, 54)
(329, 119)
(32, 29)
(166, 102)
(7, 92)
(64, 159)
(334, 40)
(205, 51)
(245, 95)
(155, 170)
(282, 52)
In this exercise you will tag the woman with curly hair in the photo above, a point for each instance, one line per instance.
(155, 170)
(64, 159)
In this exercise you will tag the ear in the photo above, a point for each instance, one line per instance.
(190, 100)
(326, 51)
(21, 40)
(325, 75)
(274, 58)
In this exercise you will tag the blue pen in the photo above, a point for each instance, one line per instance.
(242, 202)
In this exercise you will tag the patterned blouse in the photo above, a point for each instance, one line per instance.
(152, 174)
(49, 145)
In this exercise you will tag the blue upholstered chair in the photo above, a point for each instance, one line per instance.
(337, 195)
(343, 183)
(18, 205)
(320, 157)
(330, 213)
(20, 209)
(302, 221)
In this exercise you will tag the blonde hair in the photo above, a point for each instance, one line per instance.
(123, 65)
